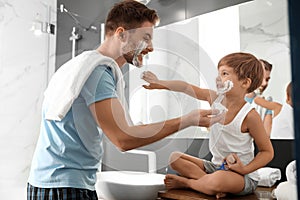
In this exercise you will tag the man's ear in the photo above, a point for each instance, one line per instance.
(121, 33)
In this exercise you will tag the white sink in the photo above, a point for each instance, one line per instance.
(128, 185)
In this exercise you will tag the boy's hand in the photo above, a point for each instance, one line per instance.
(238, 166)
(152, 79)
(230, 159)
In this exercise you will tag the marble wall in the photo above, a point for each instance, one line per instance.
(264, 32)
(26, 63)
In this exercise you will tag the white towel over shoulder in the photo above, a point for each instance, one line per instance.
(67, 82)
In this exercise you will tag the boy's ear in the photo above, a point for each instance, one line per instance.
(246, 83)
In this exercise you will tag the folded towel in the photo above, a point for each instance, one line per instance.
(268, 176)
(67, 82)
(288, 190)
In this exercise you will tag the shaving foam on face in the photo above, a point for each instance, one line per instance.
(222, 88)
(135, 60)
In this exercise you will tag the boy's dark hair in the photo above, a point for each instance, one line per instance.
(245, 65)
(129, 14)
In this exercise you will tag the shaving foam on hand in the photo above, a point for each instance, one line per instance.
(135, 60)
(219, 106)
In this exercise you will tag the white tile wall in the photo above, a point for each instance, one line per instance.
(24, 70)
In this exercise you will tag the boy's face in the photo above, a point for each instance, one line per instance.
(227, 73)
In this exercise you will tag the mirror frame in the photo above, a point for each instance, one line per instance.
(294, 24)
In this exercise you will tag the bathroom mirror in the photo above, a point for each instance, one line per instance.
(189, 50)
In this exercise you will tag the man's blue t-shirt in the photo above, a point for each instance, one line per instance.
(69, 151)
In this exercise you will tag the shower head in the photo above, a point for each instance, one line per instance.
(62, 8)
(74, 16)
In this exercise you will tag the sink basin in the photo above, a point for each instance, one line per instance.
(128, 185)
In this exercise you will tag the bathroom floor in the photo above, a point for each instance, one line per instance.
(260, 193)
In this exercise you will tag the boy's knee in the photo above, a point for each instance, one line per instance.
(174, 157)
(214, 184)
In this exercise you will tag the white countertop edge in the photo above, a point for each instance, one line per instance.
(191, 133)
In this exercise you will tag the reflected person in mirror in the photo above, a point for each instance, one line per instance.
(265, 114)
(85, 100)
(232, 137)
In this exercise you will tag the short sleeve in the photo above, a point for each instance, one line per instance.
(99, 86)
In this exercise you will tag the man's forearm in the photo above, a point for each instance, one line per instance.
(142, 135)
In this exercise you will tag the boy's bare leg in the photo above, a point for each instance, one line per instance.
(176, 182)
(186, 165)
(218, 183)
(220, 195)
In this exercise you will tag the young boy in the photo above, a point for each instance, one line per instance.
(235, 134)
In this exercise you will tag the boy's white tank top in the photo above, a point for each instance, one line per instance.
(226, 139)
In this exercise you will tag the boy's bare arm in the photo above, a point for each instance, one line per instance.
(267, 121)
(271, 105)
(178, 86)
(265, 149)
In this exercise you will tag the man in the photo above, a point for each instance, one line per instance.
(267, 76)
(265, 114)
(85, 99)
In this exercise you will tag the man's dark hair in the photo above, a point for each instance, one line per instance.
(129, 14)
(268, 66)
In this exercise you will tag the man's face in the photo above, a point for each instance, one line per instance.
(265, 82)
(139, 43)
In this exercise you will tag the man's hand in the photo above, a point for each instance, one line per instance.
(206, 118)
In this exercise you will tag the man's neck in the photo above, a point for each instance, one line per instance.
(109, 49)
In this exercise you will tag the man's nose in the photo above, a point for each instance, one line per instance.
(150, 47)
(264, 82)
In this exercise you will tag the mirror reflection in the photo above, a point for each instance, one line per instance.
(190, 50)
